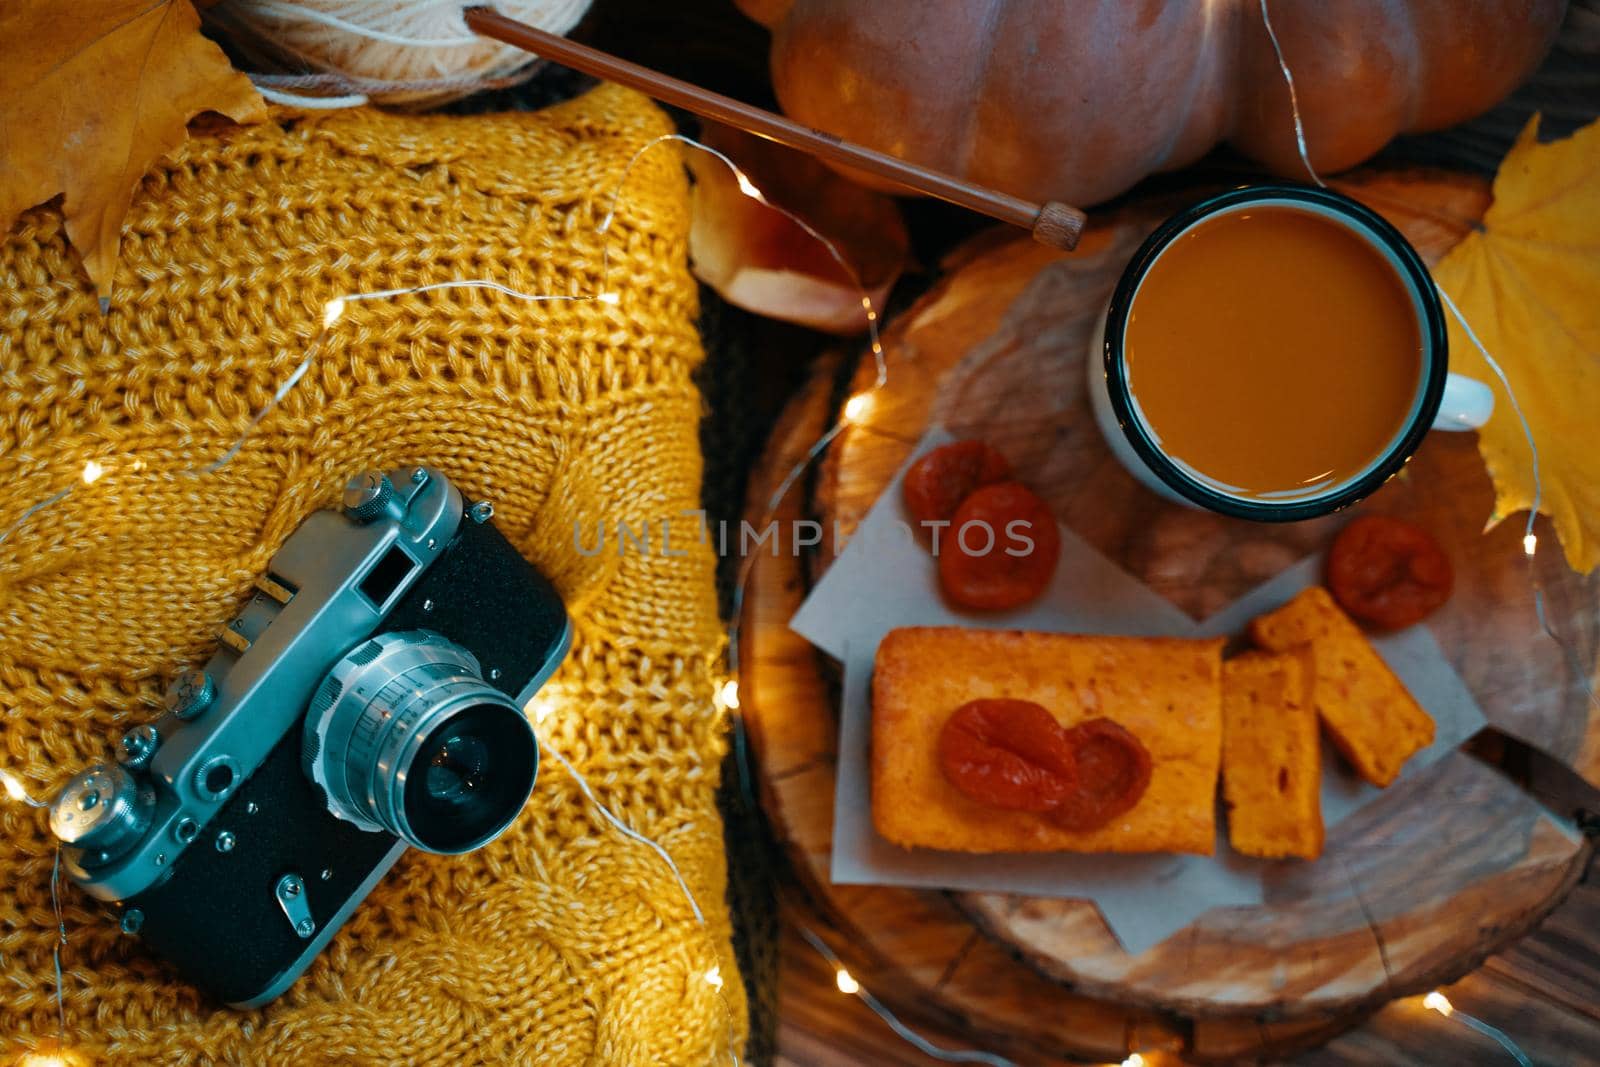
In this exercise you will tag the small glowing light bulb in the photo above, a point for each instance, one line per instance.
(1437, 1001)
(13, 786)
(1530, 544)
(714, 978)
(847, 984)
(44, 1059)
(52, 1054)
(610, 298)
(857, 406)
(1133, 1060)
(746, 186)
(331, 312)
(728, 695)
(92, 472)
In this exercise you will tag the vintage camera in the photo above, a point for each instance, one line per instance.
(368, 697)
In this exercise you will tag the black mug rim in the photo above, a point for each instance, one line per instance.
(1435, 340)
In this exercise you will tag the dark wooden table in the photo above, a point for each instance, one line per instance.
(1544, 992)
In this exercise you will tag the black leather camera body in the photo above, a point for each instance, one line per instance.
(368, 698)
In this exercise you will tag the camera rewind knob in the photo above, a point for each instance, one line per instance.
(367, 496)
(102, 809)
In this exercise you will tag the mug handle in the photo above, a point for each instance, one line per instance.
(1467, 404)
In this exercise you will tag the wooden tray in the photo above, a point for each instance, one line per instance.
(1414, 890)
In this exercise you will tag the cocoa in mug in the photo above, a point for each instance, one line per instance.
(1276, 352)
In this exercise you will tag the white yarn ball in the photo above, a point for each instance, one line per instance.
(412, 52)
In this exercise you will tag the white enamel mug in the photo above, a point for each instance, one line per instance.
(1444, 401)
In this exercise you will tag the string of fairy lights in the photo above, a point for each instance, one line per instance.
(333, 312)
(1530, 540)
(726, 699)
(858, 404)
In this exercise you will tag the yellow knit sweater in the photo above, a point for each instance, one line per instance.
(562, 942)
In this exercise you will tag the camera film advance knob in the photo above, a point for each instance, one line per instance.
(367, 496)
(101, 810)
(190, 694)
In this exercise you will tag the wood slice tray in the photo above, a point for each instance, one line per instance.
(1413, 891)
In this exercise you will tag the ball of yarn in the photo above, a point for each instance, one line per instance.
(415, 53)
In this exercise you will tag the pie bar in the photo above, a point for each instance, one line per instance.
(1167, 692)
(1271, 759)
(1369, 715)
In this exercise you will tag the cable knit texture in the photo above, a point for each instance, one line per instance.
(562, 942)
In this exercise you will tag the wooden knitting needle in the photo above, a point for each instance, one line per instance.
(1054, 224)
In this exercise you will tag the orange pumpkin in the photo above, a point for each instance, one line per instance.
(1076, 101)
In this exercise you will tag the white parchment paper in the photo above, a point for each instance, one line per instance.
(884, 580)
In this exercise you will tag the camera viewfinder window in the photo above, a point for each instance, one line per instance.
(386, 575)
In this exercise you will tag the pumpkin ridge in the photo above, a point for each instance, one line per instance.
(1420, 72)
(1204, 69)
(980, 75)
(1237, 83)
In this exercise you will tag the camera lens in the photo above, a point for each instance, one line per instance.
(404, 735)
(457, 768)
(462, 779)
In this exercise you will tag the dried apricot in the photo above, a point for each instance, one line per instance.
(1000, 550)
(937, 483)
(1009, 754)
(1387, 572)
(1113, 773)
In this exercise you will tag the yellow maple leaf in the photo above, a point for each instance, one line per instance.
(1529, 283)
(92, 94)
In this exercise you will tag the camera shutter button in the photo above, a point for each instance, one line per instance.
(367, 496)
(190, 694)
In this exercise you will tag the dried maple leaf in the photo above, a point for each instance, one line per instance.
(90, 96)
(761, 260)
(1529, 283)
